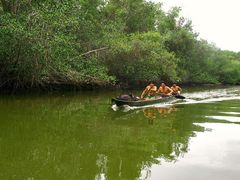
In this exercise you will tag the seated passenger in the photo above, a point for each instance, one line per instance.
(176, 89)
(149, 91)
(164, 90)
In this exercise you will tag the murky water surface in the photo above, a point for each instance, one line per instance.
(81, 135)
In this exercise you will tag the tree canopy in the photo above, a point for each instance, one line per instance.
(99, 42)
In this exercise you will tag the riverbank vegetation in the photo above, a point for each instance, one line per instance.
(100, 43)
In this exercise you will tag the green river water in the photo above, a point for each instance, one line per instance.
(80, 135)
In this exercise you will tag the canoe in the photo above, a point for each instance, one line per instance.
(119, 102)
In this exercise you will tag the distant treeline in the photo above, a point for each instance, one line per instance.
(104, 42)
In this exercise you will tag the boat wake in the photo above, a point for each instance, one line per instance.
(210, 100)
(124, 108)
(212, 96)
(233, 119)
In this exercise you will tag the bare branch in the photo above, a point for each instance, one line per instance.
(94, 51)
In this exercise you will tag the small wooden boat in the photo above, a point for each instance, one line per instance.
(120, 102)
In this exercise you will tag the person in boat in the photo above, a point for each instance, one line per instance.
(149, 92)
(176, 89)
(164, 90)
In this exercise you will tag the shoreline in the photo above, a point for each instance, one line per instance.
(91, 88)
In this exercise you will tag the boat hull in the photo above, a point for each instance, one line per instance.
(119, 102)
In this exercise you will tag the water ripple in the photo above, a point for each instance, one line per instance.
(233, 119)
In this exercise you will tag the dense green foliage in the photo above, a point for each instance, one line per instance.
(99, 42)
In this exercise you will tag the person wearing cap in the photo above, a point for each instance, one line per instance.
(149, 92)
(164, 90)
(176, 89)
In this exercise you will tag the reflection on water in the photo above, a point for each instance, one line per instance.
(151, 113)
(102, 165)
(212, 155)
(79, 136)
(165, 111)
